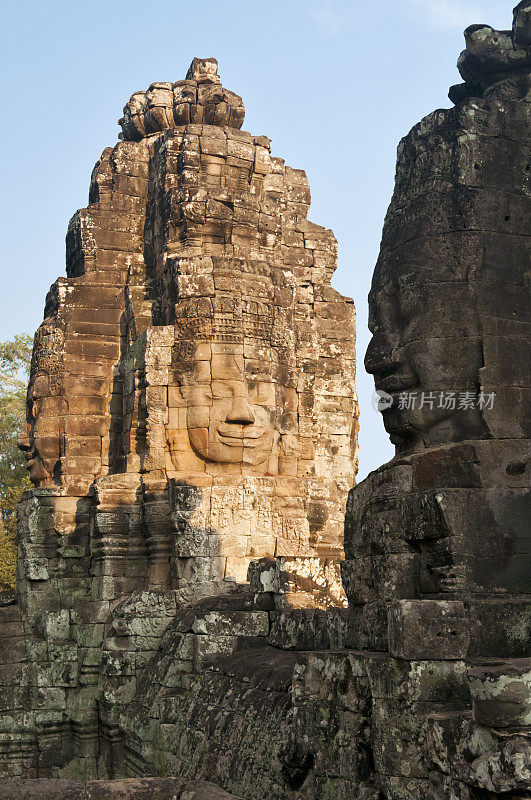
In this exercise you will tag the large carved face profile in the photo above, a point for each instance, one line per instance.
(427, 343)
(43, 450)
(458, 328)
(42, 439)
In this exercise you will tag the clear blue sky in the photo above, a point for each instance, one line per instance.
(334, 83)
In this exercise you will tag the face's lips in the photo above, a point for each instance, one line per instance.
(396, 383)
(240, 435)
(394, 386)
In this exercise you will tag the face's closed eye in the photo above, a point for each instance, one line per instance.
(41, 387)
(262, 393)
(200, 396)
(222, 390)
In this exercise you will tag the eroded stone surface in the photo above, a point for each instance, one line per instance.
(127, 789)
(223, 364)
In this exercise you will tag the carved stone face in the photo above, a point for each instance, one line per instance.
(45, 407)
(230, 408)
(41, 441)
(421, 349)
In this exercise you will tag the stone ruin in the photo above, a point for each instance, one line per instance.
(191, 410)
(181, 628)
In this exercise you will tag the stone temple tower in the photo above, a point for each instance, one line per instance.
(191, 407)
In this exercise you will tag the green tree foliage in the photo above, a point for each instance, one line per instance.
(15, 355)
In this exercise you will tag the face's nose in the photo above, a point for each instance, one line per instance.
(240, 412)
(24, 441)
(380, 355)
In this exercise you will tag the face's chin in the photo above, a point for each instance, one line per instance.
(257, 451)
(397, 425)
(406, 423)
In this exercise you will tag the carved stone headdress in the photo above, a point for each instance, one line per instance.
(47, 355)
(223, 319)
(231, 319)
